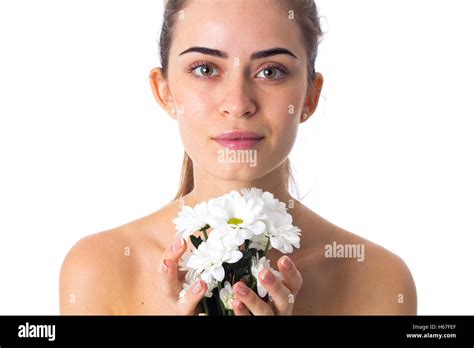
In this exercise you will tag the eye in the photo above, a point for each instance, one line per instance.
(202, 70)
(270, 72)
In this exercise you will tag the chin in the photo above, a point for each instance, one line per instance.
(236, 172)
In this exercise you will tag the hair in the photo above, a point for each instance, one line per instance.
(306, 15)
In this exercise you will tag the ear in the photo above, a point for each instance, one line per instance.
(161, 92)
(312, 97)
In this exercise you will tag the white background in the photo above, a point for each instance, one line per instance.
(84, 147)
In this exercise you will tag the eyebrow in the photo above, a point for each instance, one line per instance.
(256, 55)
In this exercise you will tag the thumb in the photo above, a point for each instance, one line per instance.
(188, 303)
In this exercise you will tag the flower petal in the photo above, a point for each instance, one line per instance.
(218, 273)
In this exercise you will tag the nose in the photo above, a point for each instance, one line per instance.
(237, 99)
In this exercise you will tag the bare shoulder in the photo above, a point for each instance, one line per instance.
(360, 277)
(383, 283)
(93, 273)
(104, 272)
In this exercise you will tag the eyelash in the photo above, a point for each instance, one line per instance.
(199, 64)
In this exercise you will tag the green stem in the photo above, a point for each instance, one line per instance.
(252, 284)
(204, 229)
(266, 247)
(204, 302)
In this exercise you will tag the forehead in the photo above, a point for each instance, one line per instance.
(238, 27)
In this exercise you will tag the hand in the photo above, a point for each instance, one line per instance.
(172, 285)
(282, 291)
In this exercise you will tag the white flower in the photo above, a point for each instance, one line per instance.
(270, 203)
(191, 277)
(283, 235)
(235, 219)
(209, 257)
(190, 220)
(249, 215)
(227, 295)
(257, 266)
(259, 242)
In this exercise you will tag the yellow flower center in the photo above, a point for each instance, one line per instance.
(235, 221)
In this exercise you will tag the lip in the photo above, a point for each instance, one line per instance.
(239, 140)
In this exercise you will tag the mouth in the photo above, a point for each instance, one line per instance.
(239, 140)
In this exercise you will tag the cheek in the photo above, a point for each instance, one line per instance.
(193, 119)
(285, 134)
(284, 115)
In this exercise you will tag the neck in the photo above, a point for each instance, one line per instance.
(207, 186)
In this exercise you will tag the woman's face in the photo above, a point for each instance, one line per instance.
(266, 94)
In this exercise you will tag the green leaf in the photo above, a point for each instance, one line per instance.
(196, 241)
(244, 263)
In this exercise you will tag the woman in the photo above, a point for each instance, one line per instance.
(236, 76)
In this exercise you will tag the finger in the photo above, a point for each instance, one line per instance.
(175, 250)
(239, 308)
(251, 300)
(188, 303)
(279, 293)
(291, 276)
(171, 282)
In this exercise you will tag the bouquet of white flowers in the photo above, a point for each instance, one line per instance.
(242, 227)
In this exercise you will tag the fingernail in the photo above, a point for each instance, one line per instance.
(242, 290)
(164, 267)
(286, 263)
(268, 277)
(178, 244)
(197, 287)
